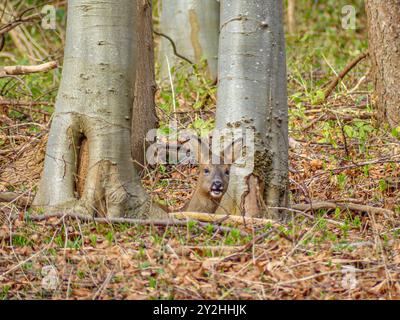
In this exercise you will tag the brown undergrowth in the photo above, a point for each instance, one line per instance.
(328, 252)
(321, 254)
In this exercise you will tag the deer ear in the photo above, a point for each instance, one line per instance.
(196, 150)
(233, 151)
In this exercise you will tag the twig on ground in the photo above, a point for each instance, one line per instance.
(389, 159)
(342, 74)
(255, 240)
(25, 103)
(21, 263)
(104, 285)
(207, 217)
(144, 222)
(303, 213)
(350, 206)
(316, 275)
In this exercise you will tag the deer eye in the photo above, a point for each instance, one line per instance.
(206, 171)
(227, 172)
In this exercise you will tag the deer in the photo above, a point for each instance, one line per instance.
(214, 175)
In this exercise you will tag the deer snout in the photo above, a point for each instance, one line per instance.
(217, 189)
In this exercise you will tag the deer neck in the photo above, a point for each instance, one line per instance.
(202, 202)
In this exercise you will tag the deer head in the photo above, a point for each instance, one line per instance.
(214, 172)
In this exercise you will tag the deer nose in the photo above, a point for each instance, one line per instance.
(217, 185)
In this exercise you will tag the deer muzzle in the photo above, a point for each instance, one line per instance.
(217, 189)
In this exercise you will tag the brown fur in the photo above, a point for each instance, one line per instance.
(203, 198)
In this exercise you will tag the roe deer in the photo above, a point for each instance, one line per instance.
(213, 178)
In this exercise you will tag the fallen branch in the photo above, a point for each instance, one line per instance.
(216, 250)
(347, 117)
(215, 218)
(143, 222)
(337, 170)
(308, 216)
(334, 205)
(20, 20)
(342, 74)
(26, 105)
(321, 274)
(21, 70)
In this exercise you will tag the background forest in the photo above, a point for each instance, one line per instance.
(341, 158)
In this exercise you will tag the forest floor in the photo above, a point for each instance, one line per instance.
(340, 251)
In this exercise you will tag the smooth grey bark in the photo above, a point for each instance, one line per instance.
(193, 26)
(94, 103)
(252, 94)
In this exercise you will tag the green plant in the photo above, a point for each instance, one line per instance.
(5, 289)
(110, 237)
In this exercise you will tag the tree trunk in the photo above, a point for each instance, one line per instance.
(291, 16)
(193, 26)
(94, 103)
(384, 49)
(144, 116)
(252, 94)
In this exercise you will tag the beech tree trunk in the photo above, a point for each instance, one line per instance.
(384, 50)
(291, 16)
(252, 94)
(94, 104)
(193, 26)
(144, 117)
